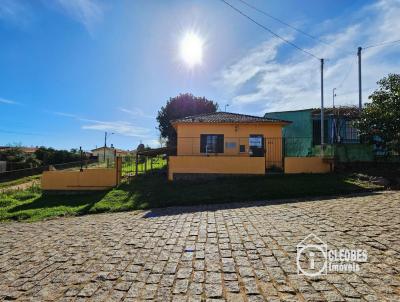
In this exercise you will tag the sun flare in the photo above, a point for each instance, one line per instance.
(192, 49)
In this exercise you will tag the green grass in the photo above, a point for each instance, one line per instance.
(18, 181)
(129, 166)
(155, 191)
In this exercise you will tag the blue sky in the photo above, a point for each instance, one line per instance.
(72, 69)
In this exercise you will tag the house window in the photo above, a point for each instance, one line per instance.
(351, 133)
(242, 148)
(211, 143)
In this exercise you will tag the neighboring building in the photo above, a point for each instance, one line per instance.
(226, 143)
(108, 153)
(303, 136)
(27, 150)
(305, 131)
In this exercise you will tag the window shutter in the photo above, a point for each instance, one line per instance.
(203, 142)
(220, 143)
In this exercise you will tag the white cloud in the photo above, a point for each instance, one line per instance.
(294, 83)
(15, 12)
(86, 12)
(135, 112)
(8, 102)
(118, 127)
(153, 143)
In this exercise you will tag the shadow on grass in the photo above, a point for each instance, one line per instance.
(48, 201)
(155, 192)
(231, 192)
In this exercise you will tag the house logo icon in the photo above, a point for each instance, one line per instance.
(312, 256)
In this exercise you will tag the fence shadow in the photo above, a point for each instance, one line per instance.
(153, 192)
(46, 201)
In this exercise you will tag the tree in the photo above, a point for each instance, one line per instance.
(181, 106)
(50, 156)
(381, 117)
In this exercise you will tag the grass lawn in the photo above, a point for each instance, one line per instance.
(129, 166)
(155, 191)
(18, 181)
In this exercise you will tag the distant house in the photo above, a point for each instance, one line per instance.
(226, 143)
(108, 153)
(26, 150)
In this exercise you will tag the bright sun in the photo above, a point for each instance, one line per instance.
(192, 49)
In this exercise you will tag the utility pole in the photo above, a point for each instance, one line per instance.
(227, 105)
(322, 103)
(359, 79)
(105, 146)
(333, 97)
(81, 155)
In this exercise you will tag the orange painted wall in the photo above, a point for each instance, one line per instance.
(215, 164)
(307, 165)
(189, 138)
(90, 179)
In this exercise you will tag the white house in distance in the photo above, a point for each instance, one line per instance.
(108, 153)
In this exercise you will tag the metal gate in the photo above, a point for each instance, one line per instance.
(274, 154)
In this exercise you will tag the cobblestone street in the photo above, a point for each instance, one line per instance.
(230, 252)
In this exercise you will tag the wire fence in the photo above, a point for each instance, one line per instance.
(132, 165)
(75, 165)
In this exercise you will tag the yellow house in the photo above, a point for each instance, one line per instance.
(226, 143)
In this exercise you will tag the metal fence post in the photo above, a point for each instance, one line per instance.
(136, 163)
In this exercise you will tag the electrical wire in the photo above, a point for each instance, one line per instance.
(269, 30)
(381, 44)
(284, 23)
(346, 74)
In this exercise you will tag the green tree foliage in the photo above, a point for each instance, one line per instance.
(12, 155)
(181, 106)
(381, 117)
(50, 156)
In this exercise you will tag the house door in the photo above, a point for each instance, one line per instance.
(274, 154)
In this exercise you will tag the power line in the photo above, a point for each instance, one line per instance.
(346, 74)
(381, 44)
(269, 30)
(354, 91)
(283, 22)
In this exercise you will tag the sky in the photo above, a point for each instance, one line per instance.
(72, 69)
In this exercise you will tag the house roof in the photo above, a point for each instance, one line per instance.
(341, 111)
(227, 117)
(288, 111)
(23, 149)
(109, 148)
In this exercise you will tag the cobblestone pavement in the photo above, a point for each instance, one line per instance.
(231, 252)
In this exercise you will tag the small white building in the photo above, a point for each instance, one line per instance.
(108, 153)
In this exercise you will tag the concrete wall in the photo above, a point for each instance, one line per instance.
(88, 179)
(307, 165)
(354, 152)
(215, 165)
